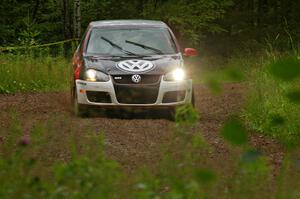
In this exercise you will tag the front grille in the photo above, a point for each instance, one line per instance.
(145, 79)
(174, 96)
(130, 94)
(98, 97)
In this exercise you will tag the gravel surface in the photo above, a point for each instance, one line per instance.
(132, 142)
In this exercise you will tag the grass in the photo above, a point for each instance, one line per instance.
(23, 73)
(273, 90)
(29, 167)
(28, 170)
(269, 109)
(41, 72)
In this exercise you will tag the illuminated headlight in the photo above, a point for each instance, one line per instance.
(176, 75)
(92, 75)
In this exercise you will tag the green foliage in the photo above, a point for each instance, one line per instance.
(272, 107)
(219, 26)
(190, 18)
(234, 132)
(27, 73)
(205, 176)
(46, 16)
(186, 169)
(186, 115)
(294, 96)
(184, 174)
(286, 69)
(85, 178)
(29, 34)
(252, 177)
(190, 172)
(90, 176)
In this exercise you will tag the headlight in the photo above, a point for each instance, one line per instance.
(93, 76)
(176, 75)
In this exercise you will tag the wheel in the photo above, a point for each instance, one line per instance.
(80, 110)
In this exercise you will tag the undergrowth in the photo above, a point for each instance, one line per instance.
(273, 105)
(23, 73)
(28, 169)
(186, 169)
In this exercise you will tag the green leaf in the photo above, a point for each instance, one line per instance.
(286, 69)
(234, 132)
(235, 74)
(277, 119)
(294, 96)
(186, 114)
(205, 176)
(214, 85)
(250, 156)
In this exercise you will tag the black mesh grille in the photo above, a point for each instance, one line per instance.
(98, 97)
(174, 96)
(145, 79)
(137, 94)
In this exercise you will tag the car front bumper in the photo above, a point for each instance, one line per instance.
(164, 87)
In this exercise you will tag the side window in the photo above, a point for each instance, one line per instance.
(82, 40)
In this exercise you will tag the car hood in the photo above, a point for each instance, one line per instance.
(109, 65)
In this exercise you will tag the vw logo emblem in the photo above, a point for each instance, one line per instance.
(136, 78)
(135, 65)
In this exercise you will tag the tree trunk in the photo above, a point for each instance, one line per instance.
(67, 25)
(255, 13)
(77, 19)
(66, 19)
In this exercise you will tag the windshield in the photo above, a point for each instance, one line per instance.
(137, 41)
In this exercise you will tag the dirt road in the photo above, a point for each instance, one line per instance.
(131, 142)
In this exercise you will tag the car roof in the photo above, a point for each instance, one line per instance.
(142, 23)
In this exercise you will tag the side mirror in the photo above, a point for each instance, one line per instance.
(190, 52)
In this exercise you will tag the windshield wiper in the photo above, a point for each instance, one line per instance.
(145, 47)
(119, 47)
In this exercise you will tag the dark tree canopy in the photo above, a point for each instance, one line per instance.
(212, 24)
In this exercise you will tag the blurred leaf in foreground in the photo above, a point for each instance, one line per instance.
(277, 119)
(186, 114)
(286, 69)
(294, 96)
(205, 176)
(234, 132)
(235, 74)
(214, 85)
(250, 156)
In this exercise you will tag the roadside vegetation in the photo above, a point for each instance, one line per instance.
(27, 170)
(273, 106)
(255, 44)
(25, 73)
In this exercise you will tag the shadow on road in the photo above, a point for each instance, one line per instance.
(130, 113)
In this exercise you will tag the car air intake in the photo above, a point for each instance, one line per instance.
(136, 94)
(174, 96)
(98, 97)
